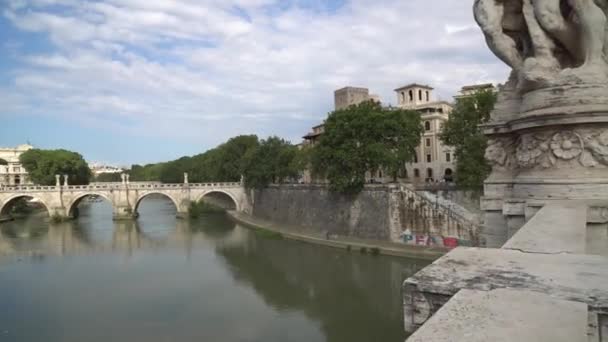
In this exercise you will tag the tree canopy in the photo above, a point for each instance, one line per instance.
(274, 160)
(462, 131)
(223, 163)
(43, 165)
(362, 138)
(3, 162)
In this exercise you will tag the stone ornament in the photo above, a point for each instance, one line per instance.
(558, 52)
(499, 153)
(547, 40)
(588, 148)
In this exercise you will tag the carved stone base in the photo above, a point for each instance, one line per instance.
(583, 98)
(534, 166)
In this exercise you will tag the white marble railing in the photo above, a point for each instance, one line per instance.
(109, 186)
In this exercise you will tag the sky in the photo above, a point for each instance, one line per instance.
(138, 81)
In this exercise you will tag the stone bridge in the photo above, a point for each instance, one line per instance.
(61, 201)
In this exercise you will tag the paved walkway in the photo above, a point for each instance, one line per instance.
(384, 247)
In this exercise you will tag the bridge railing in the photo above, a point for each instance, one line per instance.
(110, 186)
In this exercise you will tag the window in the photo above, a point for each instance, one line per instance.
(448, 157)
(416, 157)
(427, 126)
(429, 158)
(402, 96)
(428, 142)
(416, 173)
(420, 95)
(411, 93)
(429, 173)
(428, 97)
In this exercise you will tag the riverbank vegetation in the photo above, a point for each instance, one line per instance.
(463, 132)
(43, 165)
(197, 209)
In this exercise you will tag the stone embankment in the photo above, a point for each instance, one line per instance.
(343, 242)
(380, 216)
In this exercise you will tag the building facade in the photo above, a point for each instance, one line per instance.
(349, 96)
(434, 161)
(13, 173)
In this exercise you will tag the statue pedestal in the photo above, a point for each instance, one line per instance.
(542, 158)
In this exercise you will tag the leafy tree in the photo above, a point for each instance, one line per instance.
(3, 162)
(462, 131)
(43, 165)
(108, 177)
(363, 138)
(270, 162)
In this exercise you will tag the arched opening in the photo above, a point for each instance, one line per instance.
(90, 205)
(429, 174)
(20, 206)
(219, 199)
(448, 175)
(427, 125)
(155, 202)
(31, 219)
(156, 214)
(416, 173)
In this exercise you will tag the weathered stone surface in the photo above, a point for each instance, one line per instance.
(505, 315)
(548, 134)
(381, 212)
(571, 277)
(556, 228)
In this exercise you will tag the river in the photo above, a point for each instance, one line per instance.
(164, 279)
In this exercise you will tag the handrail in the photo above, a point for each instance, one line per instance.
(114, 186)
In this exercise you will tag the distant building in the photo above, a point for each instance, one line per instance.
(13, 173)
(98, 169)
(349, 96)
(470, 90)
(433, 161)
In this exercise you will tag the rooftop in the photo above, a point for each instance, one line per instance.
(478, 86)
(352, 88)
(415, 85)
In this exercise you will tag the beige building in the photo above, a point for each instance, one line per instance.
(434, 161)
(349, 96)
(13, 173)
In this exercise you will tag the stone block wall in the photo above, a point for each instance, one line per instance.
(315, 209)
(389, 212)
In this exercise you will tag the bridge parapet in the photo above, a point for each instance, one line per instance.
(109, 186)
(61, 200)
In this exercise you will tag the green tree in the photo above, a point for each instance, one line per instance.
(363, 138)
(272, 161)
(3, 162)
(462, 131)
(43, 165)
(108, 177)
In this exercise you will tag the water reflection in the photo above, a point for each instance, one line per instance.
(160, 278)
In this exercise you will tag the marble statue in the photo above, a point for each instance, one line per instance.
(548, 133)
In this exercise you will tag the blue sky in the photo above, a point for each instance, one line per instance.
(137, 81)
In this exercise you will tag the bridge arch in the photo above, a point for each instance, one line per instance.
(164, 194)
(77, 199)
(226, 195)
(7, 204)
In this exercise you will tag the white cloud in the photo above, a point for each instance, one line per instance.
(191, 65)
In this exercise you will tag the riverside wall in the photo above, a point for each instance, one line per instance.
(387, 212)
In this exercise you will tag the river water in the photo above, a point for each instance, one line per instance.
(209, 279)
